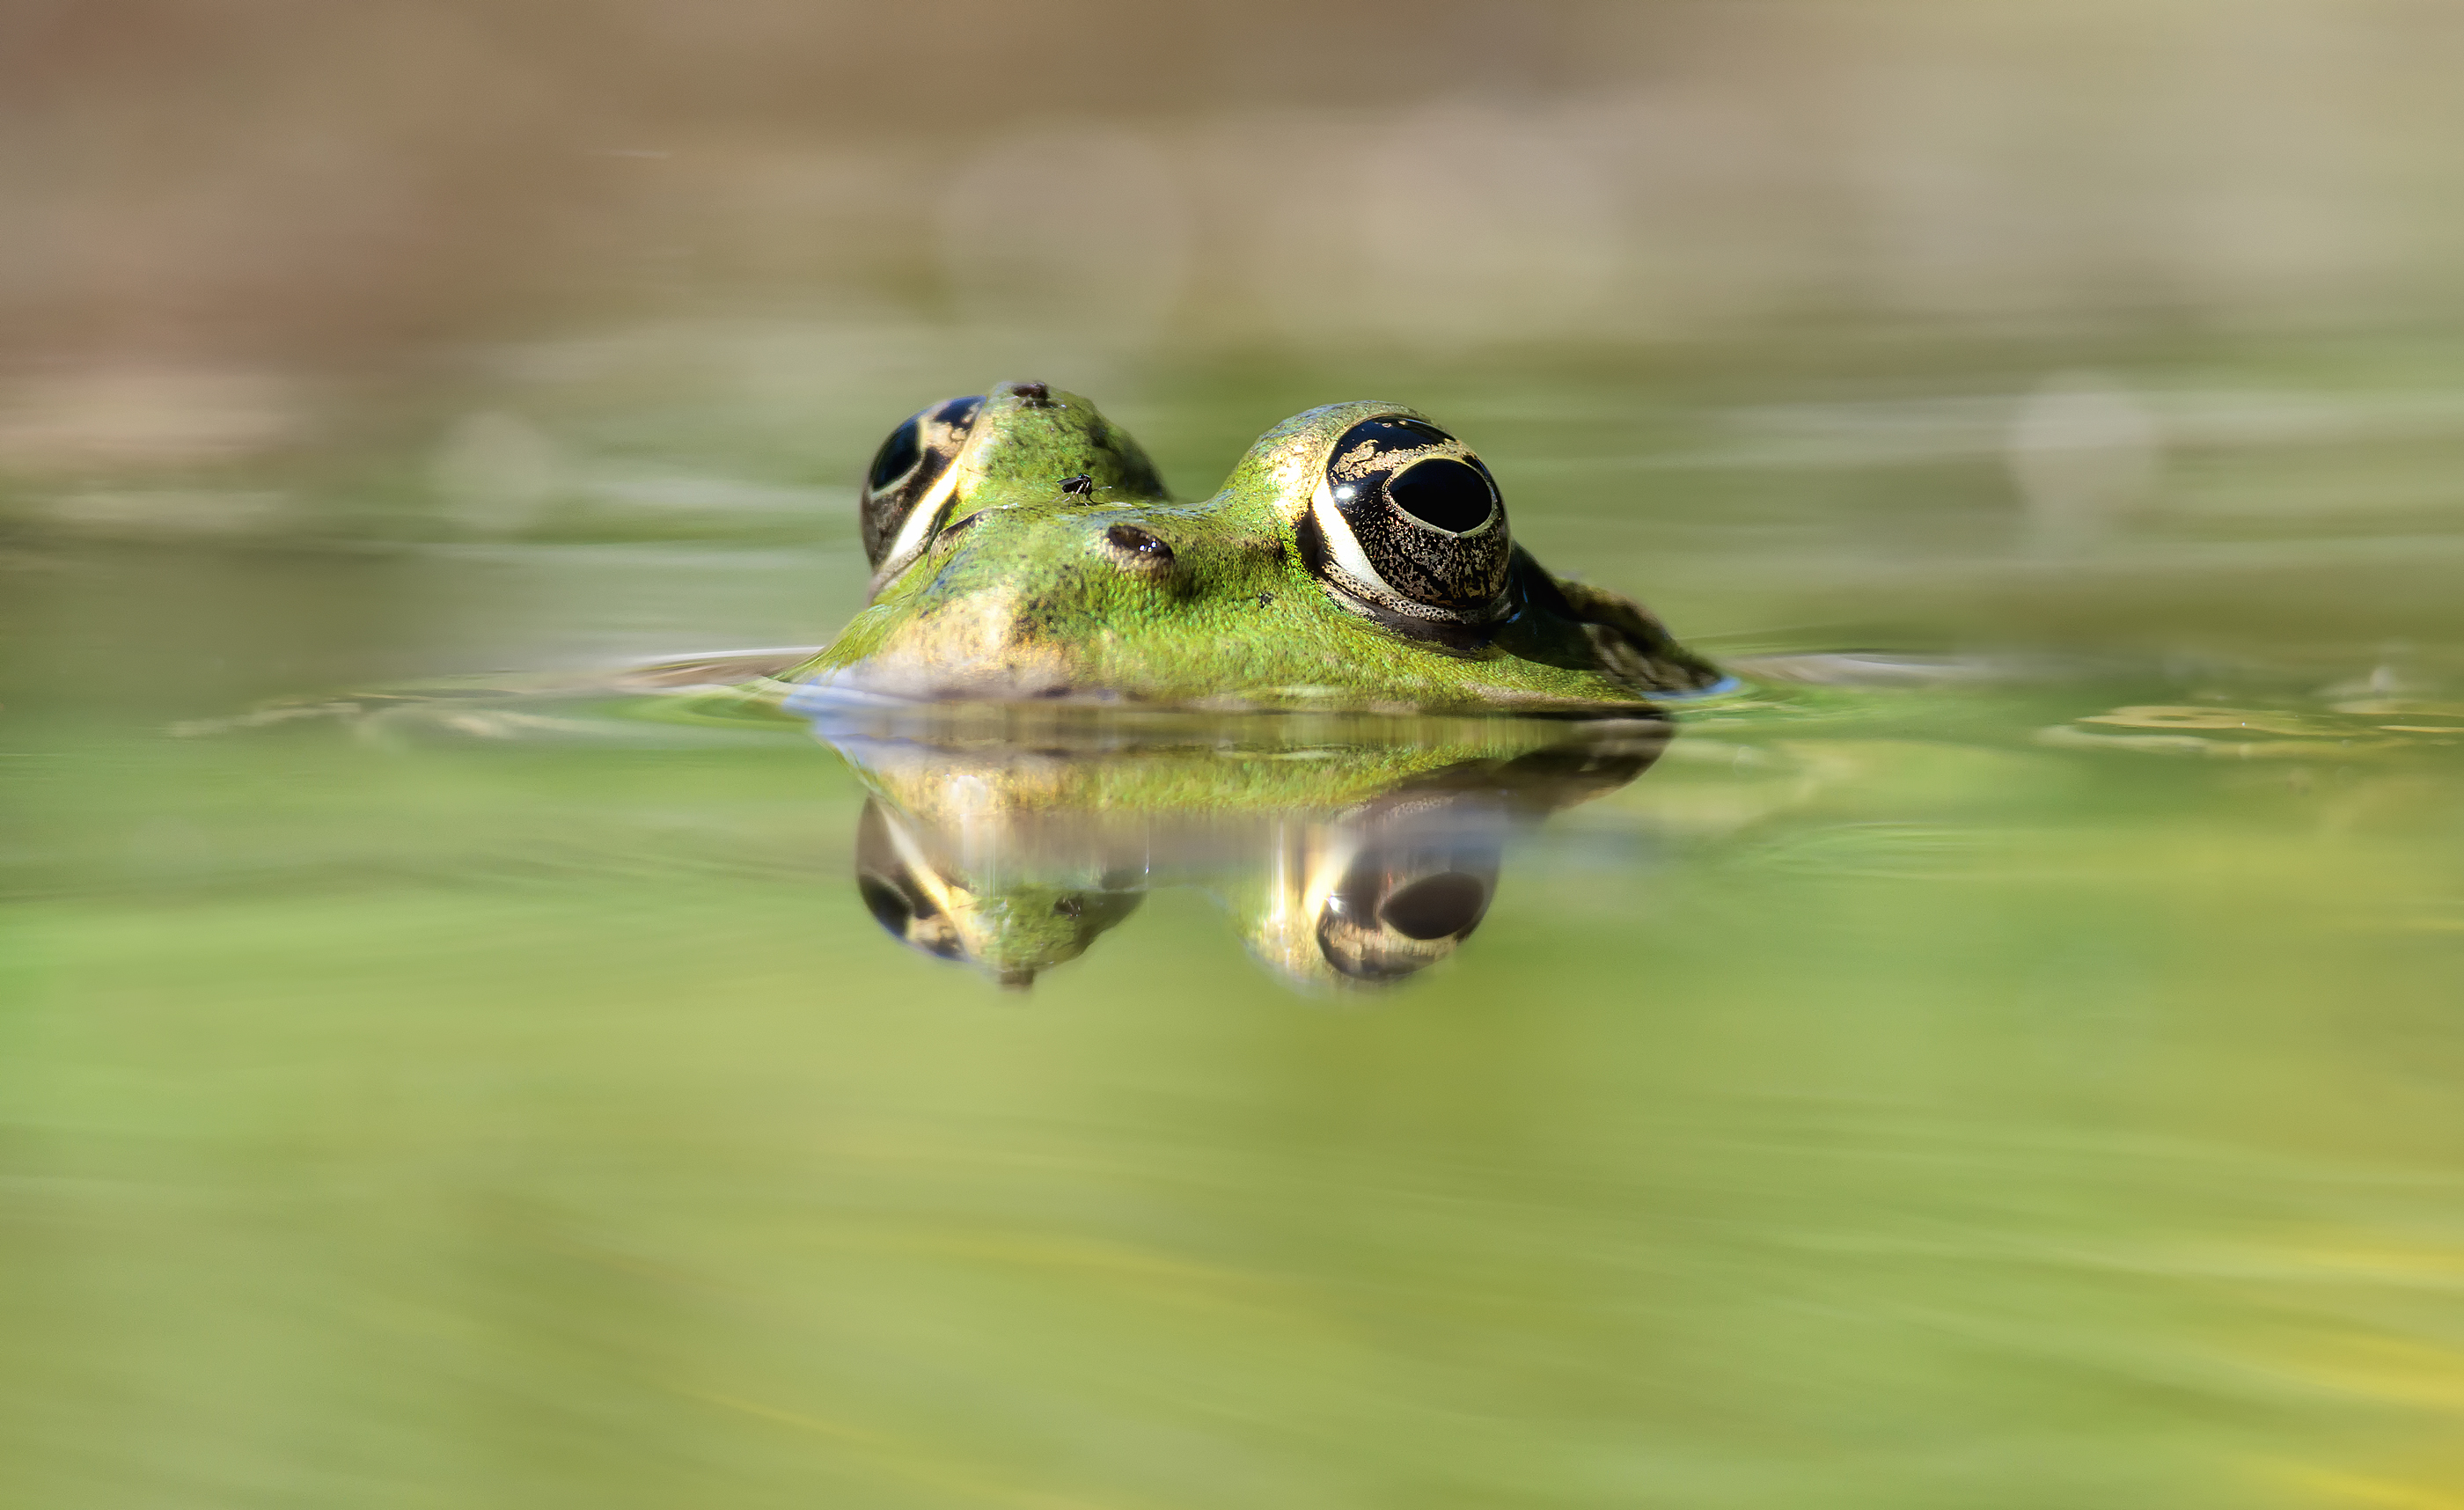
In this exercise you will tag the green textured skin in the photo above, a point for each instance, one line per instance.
(1023, 444)
(1030, 601)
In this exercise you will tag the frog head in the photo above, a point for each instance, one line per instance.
(1359, 558)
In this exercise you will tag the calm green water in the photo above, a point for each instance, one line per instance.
(2029, 1084)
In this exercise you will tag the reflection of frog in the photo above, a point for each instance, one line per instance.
(1008, 921)
(1355, 854)
(1357, 557)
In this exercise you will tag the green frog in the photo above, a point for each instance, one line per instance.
(1357, 558)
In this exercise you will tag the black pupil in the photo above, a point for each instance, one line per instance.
(1444, 492)
(1434, 907)
(887, 908)
(897, 456)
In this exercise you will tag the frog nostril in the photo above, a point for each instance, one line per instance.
(1137, 548)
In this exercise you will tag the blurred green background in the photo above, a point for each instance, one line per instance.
(1891, 1108)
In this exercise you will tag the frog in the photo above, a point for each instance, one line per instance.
(1359, 558)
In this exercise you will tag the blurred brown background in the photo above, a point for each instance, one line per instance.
(1930, 310)
(271, 182)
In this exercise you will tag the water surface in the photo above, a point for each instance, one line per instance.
(2024, 1080)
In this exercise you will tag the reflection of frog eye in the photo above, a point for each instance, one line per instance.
(900, 893)
(1409, 521)
(1441, 906)
(905, 471)
(910, 915)
(1416, 887)
(1382, 924)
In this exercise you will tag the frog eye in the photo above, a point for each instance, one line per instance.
(906, 472)
(1409, 521)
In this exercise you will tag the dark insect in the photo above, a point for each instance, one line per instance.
(1081, 486)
